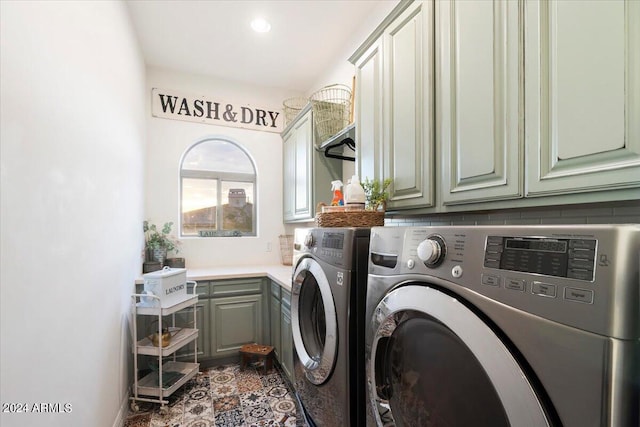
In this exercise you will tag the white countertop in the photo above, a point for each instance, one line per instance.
(280, 274)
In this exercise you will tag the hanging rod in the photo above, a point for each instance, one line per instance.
(344, 137)
(348, 142)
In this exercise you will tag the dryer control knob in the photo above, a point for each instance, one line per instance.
(308, 240)
(431, 251)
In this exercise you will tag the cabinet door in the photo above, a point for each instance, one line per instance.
(479, 103)
(582, 83)
(289, 174)
(369, 113)
(184, 318)
(286, 347)
(298, 146)
(408, 107)
(274, 323)
(302, 182)
(235, 321)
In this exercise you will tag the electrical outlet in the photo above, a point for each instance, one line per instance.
(268, 246)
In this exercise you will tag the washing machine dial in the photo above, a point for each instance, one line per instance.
(309, 240)
(432, 251)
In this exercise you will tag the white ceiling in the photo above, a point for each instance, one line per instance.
(214, 37)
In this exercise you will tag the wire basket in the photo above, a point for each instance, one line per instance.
(292, 107)
(286, 249)
(331, 109)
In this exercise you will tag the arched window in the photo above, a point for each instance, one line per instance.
(217, 190)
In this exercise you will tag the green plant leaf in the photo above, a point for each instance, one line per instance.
(376, 193)
(155, 239)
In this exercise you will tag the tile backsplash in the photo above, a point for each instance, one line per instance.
(596, 213)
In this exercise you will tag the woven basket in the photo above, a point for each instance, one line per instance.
(350, 219)
(286, 249)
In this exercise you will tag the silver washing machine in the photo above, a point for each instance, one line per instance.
(504, 326)
(327, 315)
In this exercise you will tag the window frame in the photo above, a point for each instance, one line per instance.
(220, 178)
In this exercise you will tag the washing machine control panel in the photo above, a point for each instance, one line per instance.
(432, 251)
(570, 258)
(572, 274)
(331, 246)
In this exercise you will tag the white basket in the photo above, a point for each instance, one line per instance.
(331, 110)
(292, 108)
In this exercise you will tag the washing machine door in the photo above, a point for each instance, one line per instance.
(313, 320)
(435, 362)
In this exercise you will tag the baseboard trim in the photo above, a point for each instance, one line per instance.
(122, 413)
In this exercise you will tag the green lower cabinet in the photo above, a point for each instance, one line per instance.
(280, 327)
(286, 338)
(274, 318)
(229, 314)
(184, 318)
(235, 321)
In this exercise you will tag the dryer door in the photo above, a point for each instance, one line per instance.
(435, 362)
(313, 320)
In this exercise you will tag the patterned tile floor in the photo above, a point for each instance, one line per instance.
(225, 396)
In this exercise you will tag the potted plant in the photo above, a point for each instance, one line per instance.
(158, 242)
(376, 194)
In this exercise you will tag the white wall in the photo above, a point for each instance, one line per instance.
(72, 165)
(342, 71)
(169, 139)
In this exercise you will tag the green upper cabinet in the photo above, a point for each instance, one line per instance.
(582, 91)
(289, 171)
(408, 153)
(394, 113)
(368, 110)
(479, 86)
(536, 103)
(298, 146)
(307, 172)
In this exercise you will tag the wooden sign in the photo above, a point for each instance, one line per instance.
(176, 105)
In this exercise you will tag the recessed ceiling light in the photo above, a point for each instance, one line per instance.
(260, 25)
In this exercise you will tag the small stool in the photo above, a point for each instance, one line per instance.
(258, 351)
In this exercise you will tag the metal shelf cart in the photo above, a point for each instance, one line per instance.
(158, 385)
